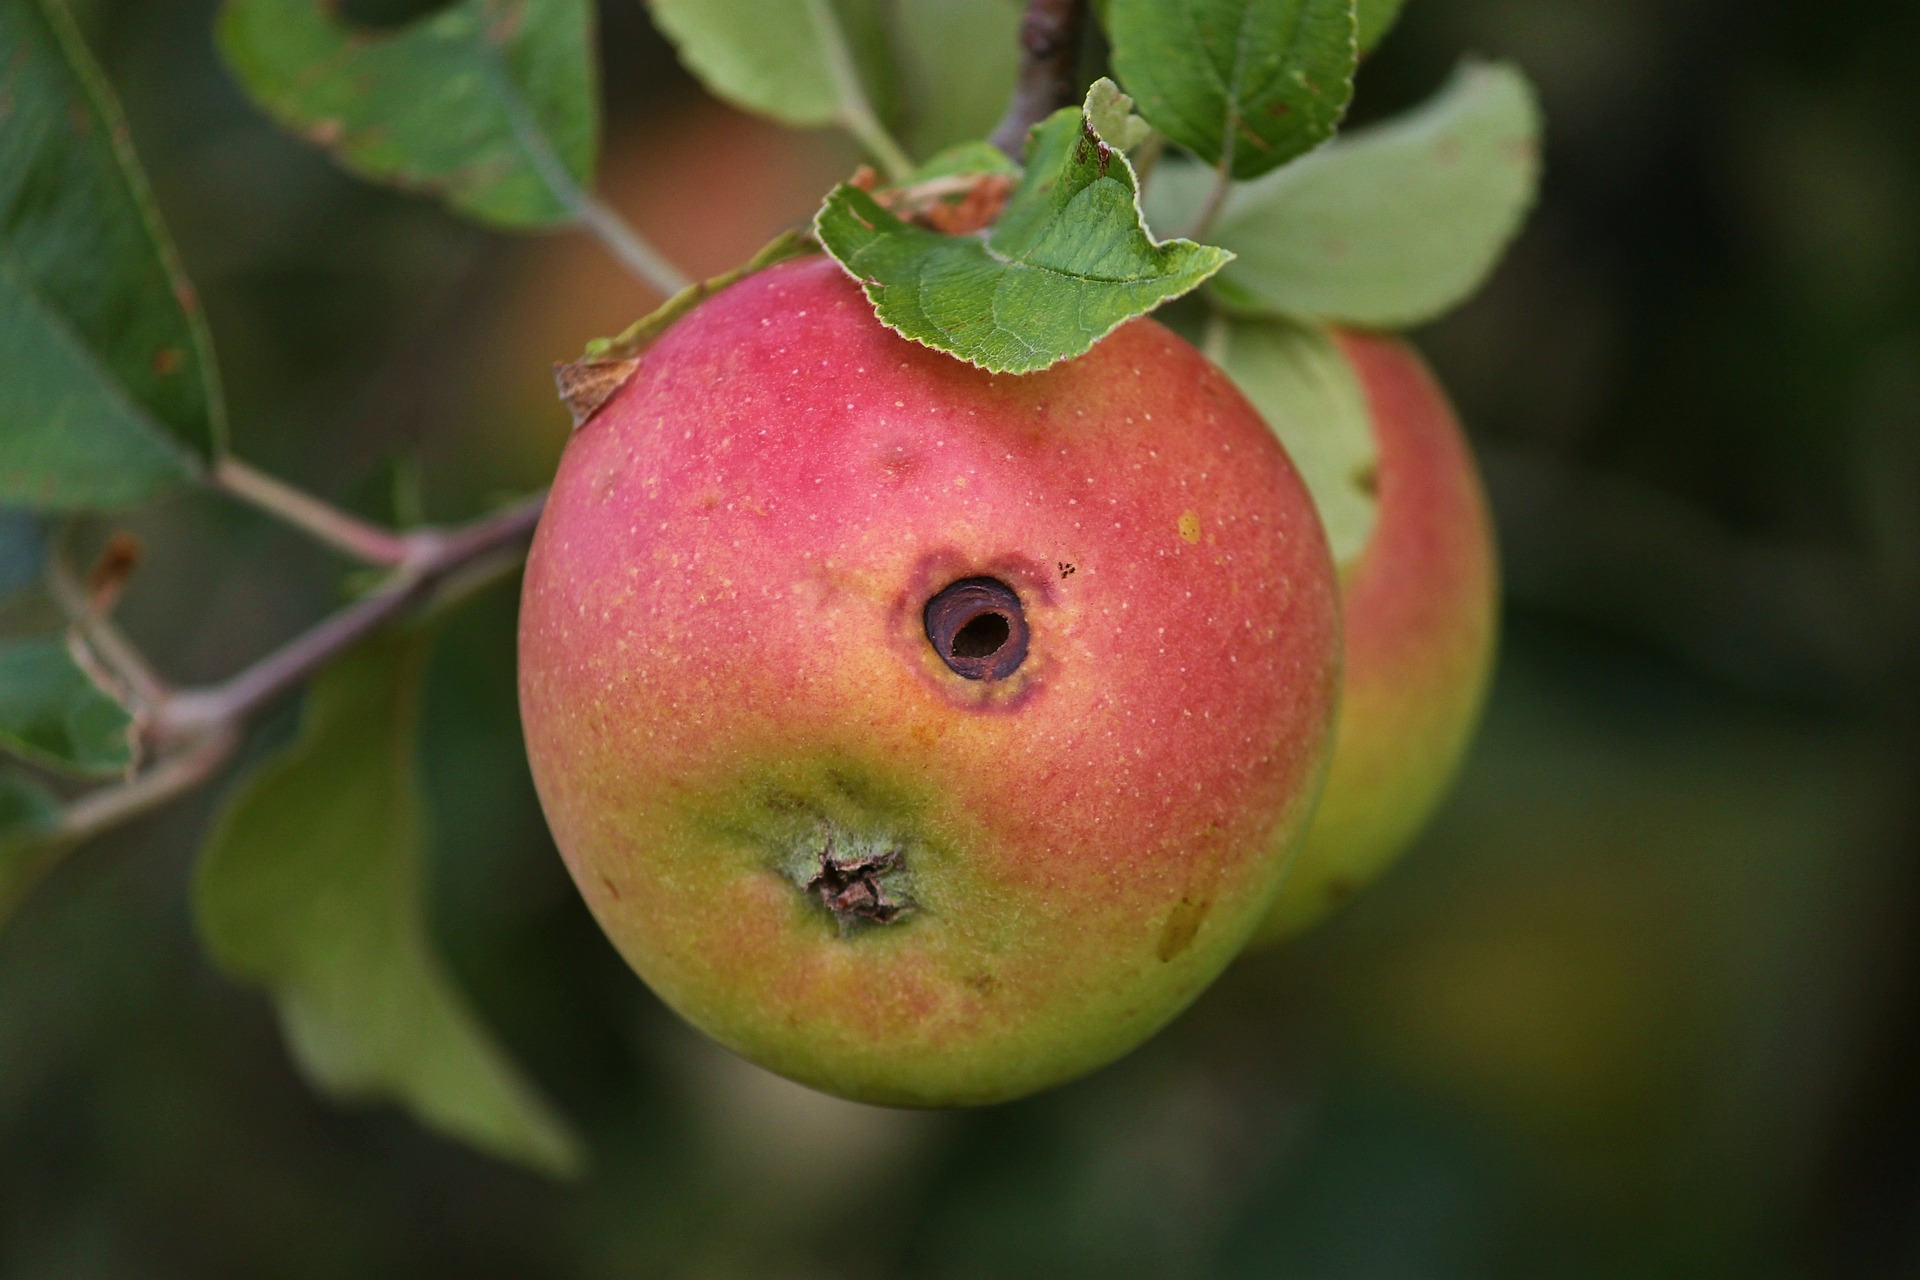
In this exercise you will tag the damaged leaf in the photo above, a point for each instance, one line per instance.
(1068, 261)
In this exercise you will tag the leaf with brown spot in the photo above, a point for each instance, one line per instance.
(1248, 84)
(492, 105)
(109, 394)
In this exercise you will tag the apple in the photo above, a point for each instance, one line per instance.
(927, 736)
(1420, 601)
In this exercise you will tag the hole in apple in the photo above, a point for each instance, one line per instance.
(978, 628)
(982, 637)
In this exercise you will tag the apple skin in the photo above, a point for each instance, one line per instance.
(1420, 606)
(723, 661)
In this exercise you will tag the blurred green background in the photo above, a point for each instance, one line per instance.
(1645, 1002)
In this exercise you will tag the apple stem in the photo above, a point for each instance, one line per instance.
(633, 250)
(1050, 49)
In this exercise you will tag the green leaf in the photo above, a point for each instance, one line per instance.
(1110, 112)
(1295, 375)
(490, 104)
(109, 392)
(1245, 83)
(958, 60)
(1068, 261)
(311, 887)
(963, 159)
(1376, 19)
(1395, 224)
(806, 63)
(30, 842)
(52, 712)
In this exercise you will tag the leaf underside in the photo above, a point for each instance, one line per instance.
(958, 60)
(1295, 375)
(796, 61)
(1395, 224)
(311, 888)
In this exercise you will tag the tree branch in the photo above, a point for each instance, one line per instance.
(195, 731)
(435, 555)
(175, 775)
(1050, 41)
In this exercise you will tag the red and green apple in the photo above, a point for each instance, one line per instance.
(924, 735)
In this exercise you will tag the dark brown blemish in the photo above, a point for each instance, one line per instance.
(850, 888)
(1367, 479)
(1066, 569)
(109, 574)
(1183, 922)
(978, 628)
(613, 890)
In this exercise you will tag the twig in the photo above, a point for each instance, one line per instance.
(174, 775)
(103, 638)
(437, 555)
(324, 522)
(195, 731)
(1050, 41)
